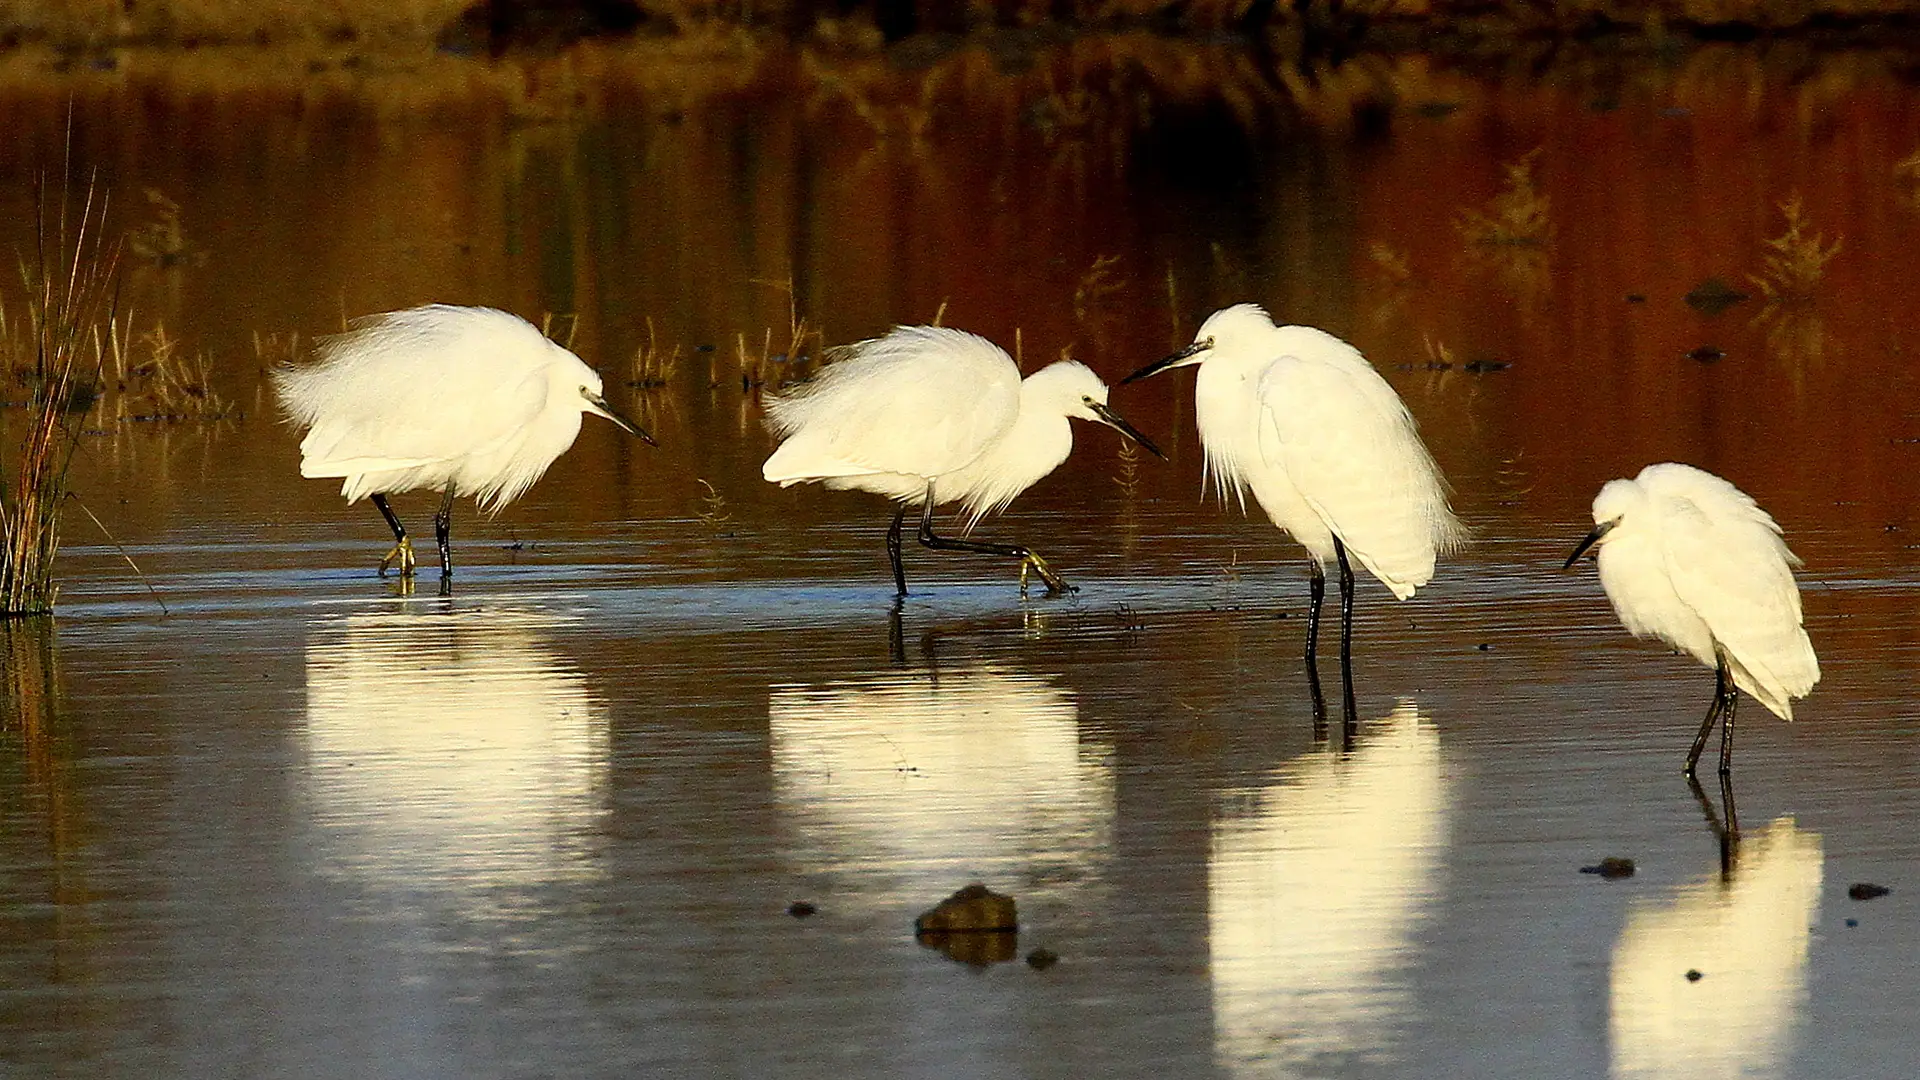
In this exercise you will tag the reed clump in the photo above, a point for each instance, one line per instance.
(653, 366)
(1516, 216)
(760, 366)
(1796, 260)
(151, 377)
(69, 285)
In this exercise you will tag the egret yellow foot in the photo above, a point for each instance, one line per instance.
(1054, 582)
(403, 554)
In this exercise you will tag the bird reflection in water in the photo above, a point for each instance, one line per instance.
(452, 753)
(903, 786)
(1712, 981)
(1316, 896)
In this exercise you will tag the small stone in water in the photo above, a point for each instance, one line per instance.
(1610, 868)
(1866, 890)
(1693, 975)
(973, 909)
(1042, 959)
(800, 909)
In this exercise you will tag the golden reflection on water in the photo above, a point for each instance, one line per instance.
(452, 752)
(1549, 224)
(920, 781)
(1316, 895)
(1747, 933)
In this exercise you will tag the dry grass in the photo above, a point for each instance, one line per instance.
(100, 22)
(1796, 260)
(152, 378)
(1127, 469)
(161, 239)
(652, 366)
(178, 22)
(70, 289)
(715, 515)
(1517, 215)
(761, 366)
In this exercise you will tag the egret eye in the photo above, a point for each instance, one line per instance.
(1087, 400)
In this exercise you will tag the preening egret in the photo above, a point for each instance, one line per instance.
(467, 400)
(1301, 419)
(1691, 560)
(928, 415)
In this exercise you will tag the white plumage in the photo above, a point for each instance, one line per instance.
(466, 399)
(1693, 561)
(1299, 418)
(928, 415)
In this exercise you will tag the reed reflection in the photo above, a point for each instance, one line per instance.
(1746, 931)
(454, 752)
(39, 829)
(913, 783)
(1316, 896)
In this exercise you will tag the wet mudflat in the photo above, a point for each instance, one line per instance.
(305, 822)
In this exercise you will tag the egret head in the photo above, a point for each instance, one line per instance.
(593, 401)
(1616, 499)
(1073, 389)
(1226, 331)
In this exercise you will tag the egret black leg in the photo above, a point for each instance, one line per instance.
(1317, 592)
(1346, 635)
(402, 552)
(1028, 560)
(1733, 814)
(896, 636)
(1726, 731)
(1723, 690)
(1726, 831)
(893, 557)
(443, 532)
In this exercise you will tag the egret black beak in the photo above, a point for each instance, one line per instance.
(1593, 538)
(1112, 419)
(1188, 355)
(599, 405)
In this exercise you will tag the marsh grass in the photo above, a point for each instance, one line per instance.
(714, 514)
(760, 366)
(161, 239)
(1518, 214)
(154, 379)
(1907, 173)
(1127, 469)
(1796, 260)
(1510, 237)
(70, 289)
(653, 366)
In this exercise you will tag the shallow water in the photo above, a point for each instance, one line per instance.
(304, 822)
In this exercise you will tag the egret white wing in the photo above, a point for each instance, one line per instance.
(414, 387)
(1730, 565)
(410, 431)
(1348, 444)
(920, 401)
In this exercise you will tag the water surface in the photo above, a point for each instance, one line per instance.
(304, 821)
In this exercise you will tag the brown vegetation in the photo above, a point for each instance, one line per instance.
(69, 287)
(492, 27)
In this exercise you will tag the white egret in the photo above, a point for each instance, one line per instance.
(1301, 419)
(467, 400)
(928, 415)
(1691, 560)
